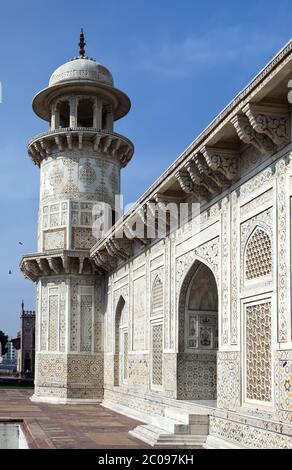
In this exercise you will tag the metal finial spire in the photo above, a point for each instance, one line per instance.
(82, 45)
(22, 306)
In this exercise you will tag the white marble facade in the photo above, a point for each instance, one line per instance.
(203, 313)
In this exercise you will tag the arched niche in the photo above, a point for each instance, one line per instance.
(198, 335)
(120, 344)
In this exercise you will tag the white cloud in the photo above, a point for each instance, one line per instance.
(215, 47)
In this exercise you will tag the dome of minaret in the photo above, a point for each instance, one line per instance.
(81, 68)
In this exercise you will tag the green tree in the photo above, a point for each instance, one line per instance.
(3, 341)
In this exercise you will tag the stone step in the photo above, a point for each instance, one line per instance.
(185, 417)
(169, 425)
(155, 436)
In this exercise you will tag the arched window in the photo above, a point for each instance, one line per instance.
(64, 114)
(157, 296)
(85, 113)
(258, 255)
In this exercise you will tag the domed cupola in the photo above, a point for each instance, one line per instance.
(81, 74)
(81, 68)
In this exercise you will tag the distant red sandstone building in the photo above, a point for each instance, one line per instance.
(25, 343)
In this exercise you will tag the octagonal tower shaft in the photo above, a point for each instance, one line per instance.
(80, 158)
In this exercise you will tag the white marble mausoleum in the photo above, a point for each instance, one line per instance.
(190, 332)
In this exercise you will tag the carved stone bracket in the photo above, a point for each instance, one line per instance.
(249, 135)
(200, 183)
(272, 121)
(120, 248)
(100, 140)
(216, 181)
(186, 182)
(104, 260)
(224, 161)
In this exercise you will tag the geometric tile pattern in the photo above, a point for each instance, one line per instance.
(82, 238)
(125, 358)
(258, 352)
(157, 350)
(53, 322)
(248, 436)
(86, 303)
(196, 376)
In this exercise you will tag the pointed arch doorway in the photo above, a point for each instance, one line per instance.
(198, 335)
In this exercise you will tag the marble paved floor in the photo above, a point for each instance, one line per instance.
(67, 426)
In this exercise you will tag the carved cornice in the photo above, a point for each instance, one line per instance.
(102, 141)
(272, 121)
(249, 135)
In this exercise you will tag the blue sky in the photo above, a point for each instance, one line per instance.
(180, 62)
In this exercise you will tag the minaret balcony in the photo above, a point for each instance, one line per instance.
(79, 138)
(37, 265)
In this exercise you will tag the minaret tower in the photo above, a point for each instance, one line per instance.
(80, 158)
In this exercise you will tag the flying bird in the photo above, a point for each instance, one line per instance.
(20, 243)
(9, 272)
